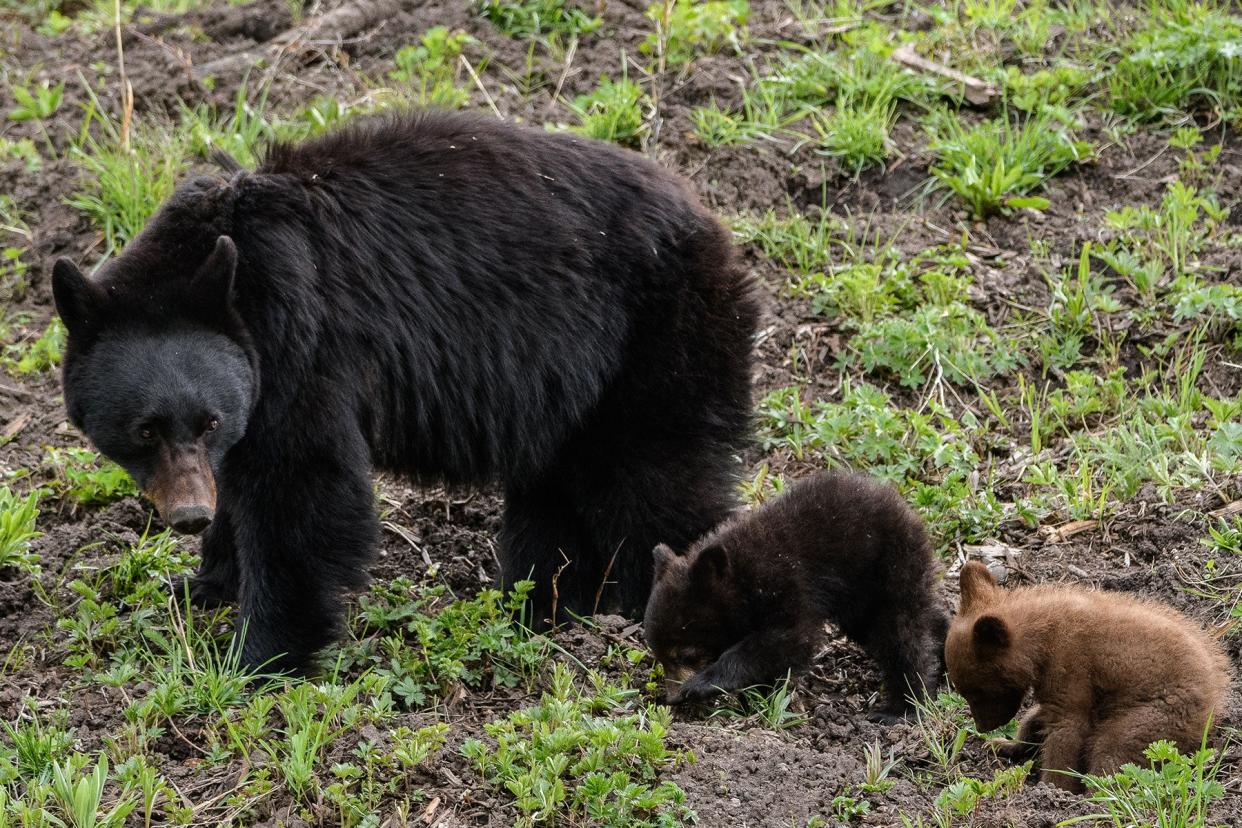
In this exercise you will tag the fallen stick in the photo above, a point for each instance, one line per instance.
(340, 23)
(978, 92)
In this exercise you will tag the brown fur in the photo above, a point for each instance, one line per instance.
(1111, 673)
(748, 602)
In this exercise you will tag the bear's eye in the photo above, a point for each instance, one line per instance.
(146, 434)
(213, 424)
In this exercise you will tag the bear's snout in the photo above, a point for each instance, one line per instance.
(190, 519)
(184, 489)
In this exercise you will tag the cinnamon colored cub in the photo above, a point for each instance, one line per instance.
(749, 601)
(1111, 673)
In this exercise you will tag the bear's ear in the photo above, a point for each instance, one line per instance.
(712, 564)
(79, 301)
(212, 286)
(978, 586)
(665, 558)
(991, 634)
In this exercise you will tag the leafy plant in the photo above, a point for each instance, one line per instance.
(42, 354)
(688, 28)
(88, 479)
(994, 165)
(431, 68)
(612, 112)
(584, 756)
(527, 18)
(1173, 792)
(17, 529)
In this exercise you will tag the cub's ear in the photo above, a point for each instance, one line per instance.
(711, 564)
(212, 286)
(665, 558)
(991, 634)
(978, 586)
(79, 301)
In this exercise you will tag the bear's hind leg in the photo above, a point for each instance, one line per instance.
(540, 541)
(909, 652)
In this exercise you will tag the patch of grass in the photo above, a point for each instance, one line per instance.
(993, 166)
(37, 103)
(88, 479)
(1187, 55)
(856, 132)
(40, 355)
(1175, 790)
(943, 724)
(584, 756)
(772, 706)
(612, 112)
(531, 18)
(685, 29)
(33, 746)
(426, 647)
(431, 68)
(81, 797)
(128, 174)
(18, 517)
(240, 133)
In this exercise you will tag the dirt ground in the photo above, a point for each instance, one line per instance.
(746, 774)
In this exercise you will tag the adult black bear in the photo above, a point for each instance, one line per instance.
(441, 295)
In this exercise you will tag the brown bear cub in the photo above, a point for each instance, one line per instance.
(749, 601)
(1111, 673)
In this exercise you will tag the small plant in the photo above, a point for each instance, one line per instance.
(943, 725)
(17, 529)
(1174, 791)
(33, 748)
(239, 133)
(962, 796)
(995, 165)
(531, 18)
(612, 112)
(80, 798)
(40, 355)
(878, 768)
(431, 68)
(773, 707)
(38, 104)
(584, 757)
(128, 173)
(857, 131)
(688, 28)
(88, 479)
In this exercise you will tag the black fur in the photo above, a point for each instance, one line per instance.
(749, 602)
(446, 296)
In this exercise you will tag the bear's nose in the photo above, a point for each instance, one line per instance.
(190, 519)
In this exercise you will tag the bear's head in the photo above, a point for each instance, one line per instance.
(693, 612)
(158, 372)
(984, 662)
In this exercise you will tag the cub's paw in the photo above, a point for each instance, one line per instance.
(695, 689)
(203, 593)
(886, 717)
(1014, 751)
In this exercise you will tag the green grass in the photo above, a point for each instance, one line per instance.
(429, 71)
(1173, 791)
(584, 756)
(531, 18)
(996, 164)
(85, 478)
(685, 29)
(612, 112)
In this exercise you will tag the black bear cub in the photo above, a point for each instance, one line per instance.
(749, 601)
(439, 295)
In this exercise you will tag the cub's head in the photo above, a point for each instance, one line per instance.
(980, 654)
(694, 609)
(157, 373)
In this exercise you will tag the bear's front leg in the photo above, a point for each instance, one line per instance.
(761, 658)
(1062, 754)
(305, 532)
(1026, 744)
(215, 583)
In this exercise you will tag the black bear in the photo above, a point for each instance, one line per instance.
(749, 601)
(1111, 673)
(441, 295)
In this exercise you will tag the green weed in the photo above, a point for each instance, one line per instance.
(995, 165)
(612, 112)
(17, 529)
(431, 68)
(42, 354)
(88, 479)
(531, 18)
(584, 756)
(688, 28)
